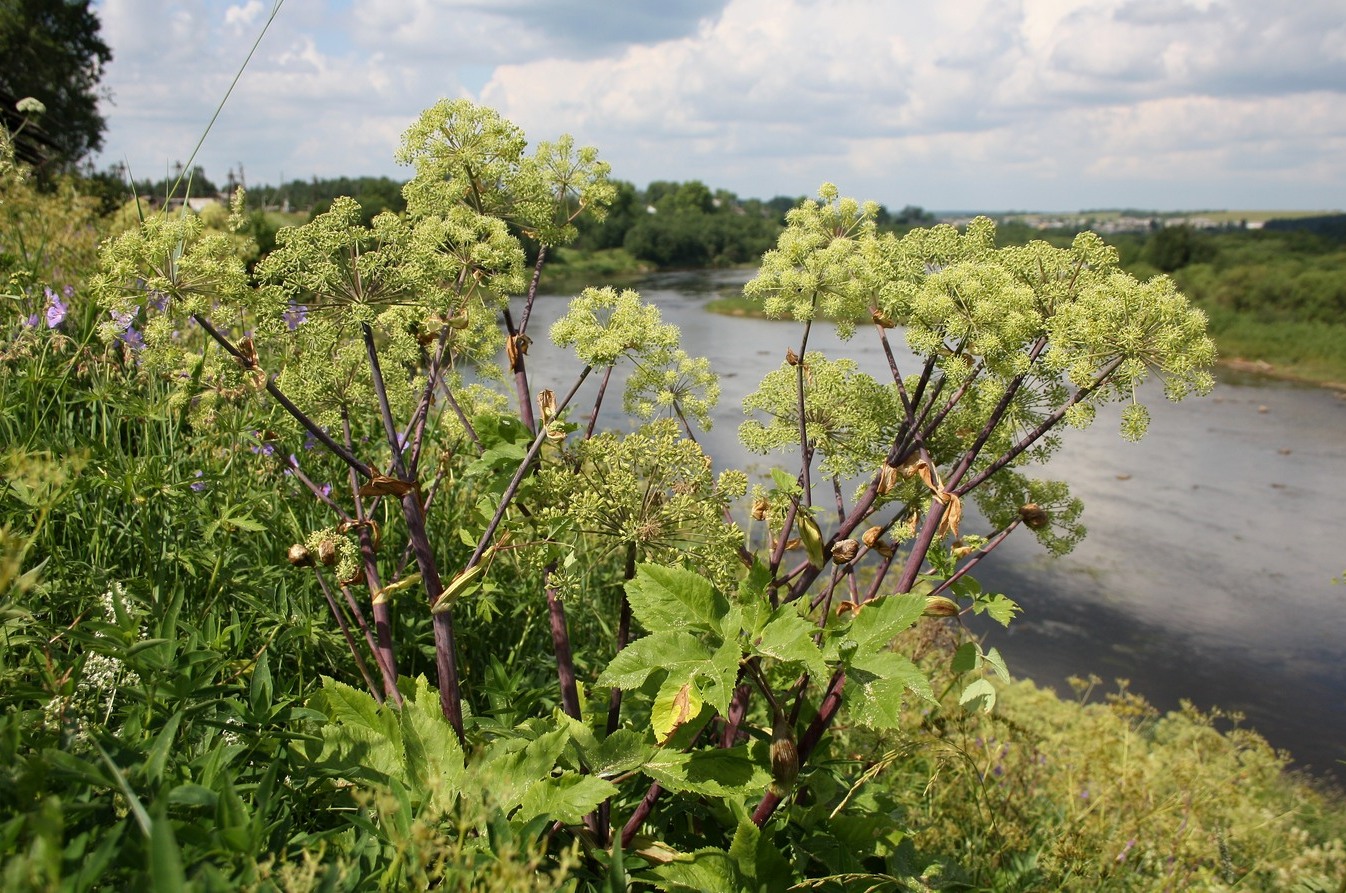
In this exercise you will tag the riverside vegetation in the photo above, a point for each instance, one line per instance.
(302, 591)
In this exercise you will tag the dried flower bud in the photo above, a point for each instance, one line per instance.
(300, 556)
(791, 357)
(871, 536)
(327, 552)
(881, 319)
(844, 551)
(1033, 515)
(939, 606)
(760, 506)
(960, 550)
(546, 404)
(887, 478)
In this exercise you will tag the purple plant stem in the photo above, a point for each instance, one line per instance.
(976, 557)
(804, 450)
(316, 490)
(446, 659)
(532, 289)
(641, 813)
(623, 637)
(350, 639)
(416, 429)
(274, 390)
(598, 401)
(520, 369)
(508, 496)
(560, 641)
(384, 652)
(462, 418)
(1032, 436)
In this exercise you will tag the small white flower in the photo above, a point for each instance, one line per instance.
(31, 106)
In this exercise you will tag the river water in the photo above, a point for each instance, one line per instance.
(1207, 572)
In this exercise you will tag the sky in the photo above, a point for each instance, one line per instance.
(1031, 105)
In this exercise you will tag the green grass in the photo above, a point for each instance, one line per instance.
(1303, 351)
(1067, 794)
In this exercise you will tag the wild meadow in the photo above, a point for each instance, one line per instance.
(306, 583)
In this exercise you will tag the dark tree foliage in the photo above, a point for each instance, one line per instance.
(51, 50)
(1174, 247)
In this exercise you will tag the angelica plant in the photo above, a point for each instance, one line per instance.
(351, 328)
(732, 653)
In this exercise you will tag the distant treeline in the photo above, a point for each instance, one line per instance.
(1286, 272)
(667, 224)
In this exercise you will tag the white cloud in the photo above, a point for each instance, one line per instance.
(968, 103)
(241, 18)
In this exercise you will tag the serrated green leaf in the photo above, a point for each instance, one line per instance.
(979, 695)
(708, 869)
(788, 637)
(758, 860)
(566, 798)
(673, 598)
(432, 754)
(879, 621)
(999, 608)
(752, 598)
(510, 767)
(720, 675)
(622, 751)
(876, 685)
(676, 652)
(722, 772)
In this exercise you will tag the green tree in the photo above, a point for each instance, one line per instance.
(52, 51)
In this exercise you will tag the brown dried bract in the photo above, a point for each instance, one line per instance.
(382, 485)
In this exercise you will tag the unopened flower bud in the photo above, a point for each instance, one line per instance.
(1033, 516)
(784, 755)
(939, 606)
(844, 551)
(300, 556)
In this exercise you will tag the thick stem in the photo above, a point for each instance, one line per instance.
(641, 813)
(384, 653)
(623, 637)
(520, 369)
(827, 709)
(560, 641)
(446, 659)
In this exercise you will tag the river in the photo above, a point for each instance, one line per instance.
(1207, 572)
